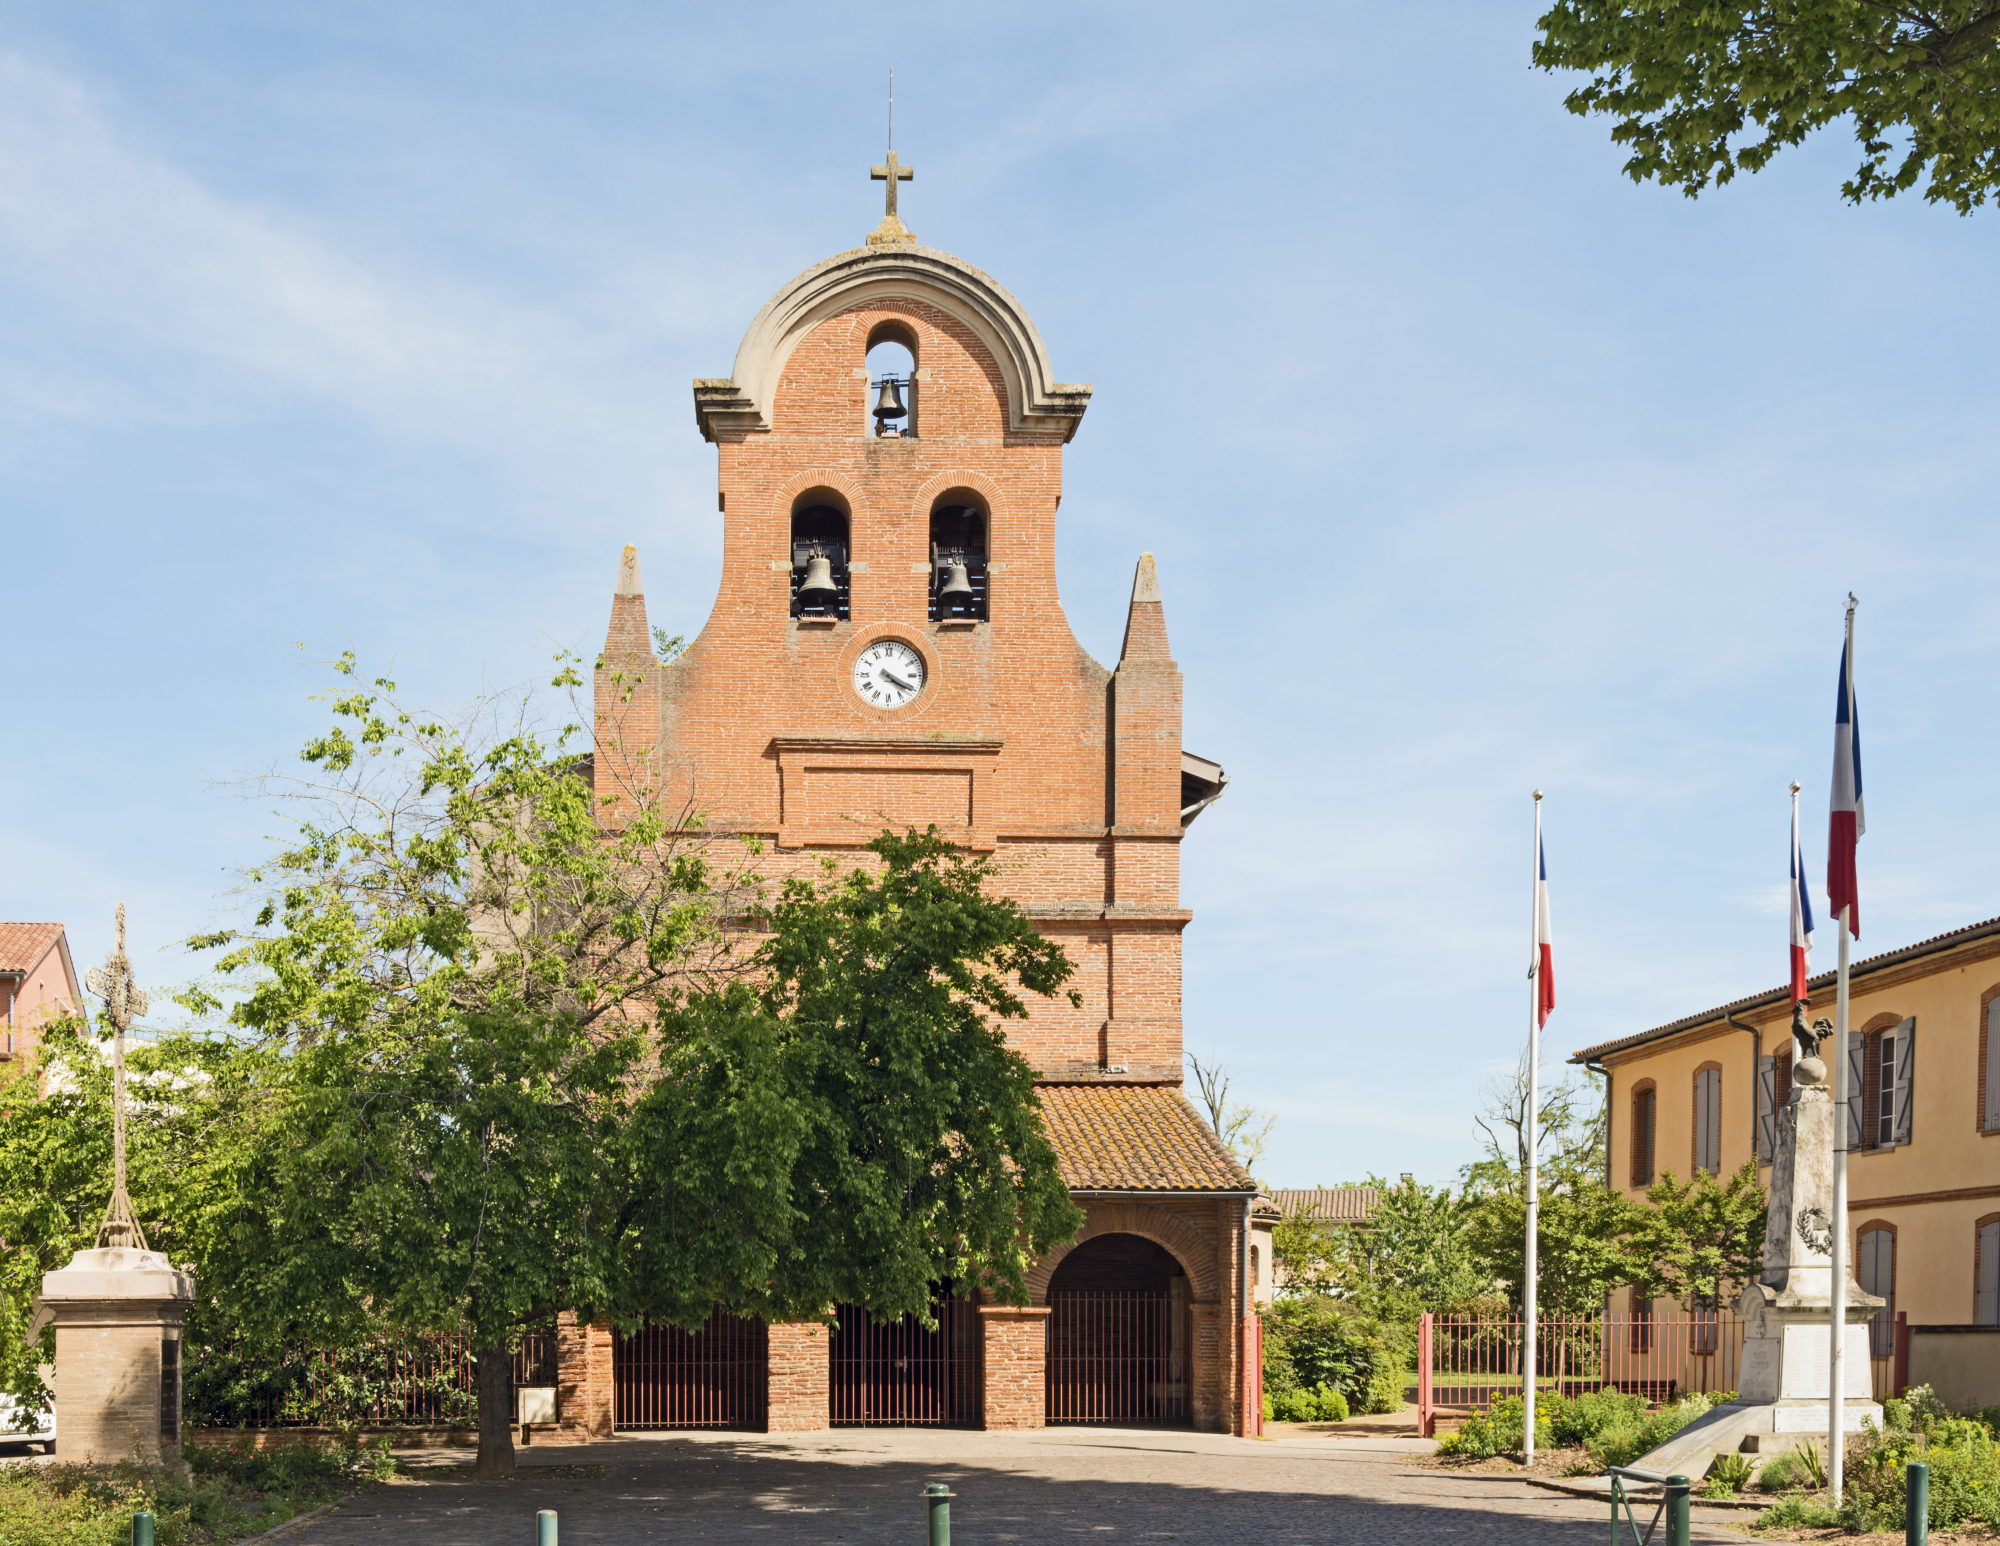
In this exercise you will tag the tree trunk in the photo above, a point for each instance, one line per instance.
(494, 1367)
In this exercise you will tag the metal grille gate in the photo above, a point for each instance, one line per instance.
(1117, 1358)
(663, 1377)
(901, 1375)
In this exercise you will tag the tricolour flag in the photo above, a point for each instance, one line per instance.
(1845, 824)
(1802, 919)
(1545, 961)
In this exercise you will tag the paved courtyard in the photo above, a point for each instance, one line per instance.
(1069, 1485)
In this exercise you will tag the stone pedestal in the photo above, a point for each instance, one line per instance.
(117, 1315)
(1788, 1311)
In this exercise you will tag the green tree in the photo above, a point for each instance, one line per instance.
(1701, 91)
(1420, 1252)
(1700, 1241)
(525, 1056)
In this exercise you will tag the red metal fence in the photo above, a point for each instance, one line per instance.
(1465, 1363)
(388, 1381)
(902, 1375)
(1117, 1358)
(663, 1377)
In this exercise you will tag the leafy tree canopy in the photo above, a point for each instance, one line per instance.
(1701, 90)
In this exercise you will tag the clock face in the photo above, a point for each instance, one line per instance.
(889, 674)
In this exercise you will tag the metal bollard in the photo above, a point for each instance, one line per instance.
(939, 1497)
(1678, 1524)
(142, 1530)
(545, 1528)
(1917, 1504)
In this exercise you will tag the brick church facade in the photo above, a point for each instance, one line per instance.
(887, 647)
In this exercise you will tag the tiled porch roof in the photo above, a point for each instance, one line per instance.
(1136, 1138)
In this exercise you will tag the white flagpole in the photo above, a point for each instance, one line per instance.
(1531, 1268)
(1837, 1309)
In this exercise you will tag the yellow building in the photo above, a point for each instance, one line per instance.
(1923, 1122)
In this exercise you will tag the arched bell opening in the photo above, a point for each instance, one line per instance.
(819, 556)
(959, 528)
(1121, 1329)
(892, 380)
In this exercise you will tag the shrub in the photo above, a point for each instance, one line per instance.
(1622, 1446)
(1797, 1513)
(1778, 1473)
(1313, 1342)
(1728, 1476)
(1385, 1393)
(1321, 1405)
(1925, 1407)
(1498, 1431)
(1580, 1419)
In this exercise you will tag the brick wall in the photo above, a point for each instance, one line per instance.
(108, 1383)
(1013, 1346)
(800, 1366)
(585, 1375)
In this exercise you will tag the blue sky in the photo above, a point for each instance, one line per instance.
(1469, 465)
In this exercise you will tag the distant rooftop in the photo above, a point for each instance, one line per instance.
(1335, 1204)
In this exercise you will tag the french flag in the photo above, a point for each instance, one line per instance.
(1802, 918)
(1846, 823)
(1545, 961)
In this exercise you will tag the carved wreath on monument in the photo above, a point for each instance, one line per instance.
(1816, 1230)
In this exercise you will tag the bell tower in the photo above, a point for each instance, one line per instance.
(887, 647)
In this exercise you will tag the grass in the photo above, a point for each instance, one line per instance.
(232, 1493)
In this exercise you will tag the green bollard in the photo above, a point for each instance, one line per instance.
(1917, 1504)
(545, 1528)
(142, 1530)
(1678, 1524)
(939, 1497)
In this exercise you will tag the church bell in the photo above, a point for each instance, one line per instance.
(957, 588)
(817, 589)
(889, 405)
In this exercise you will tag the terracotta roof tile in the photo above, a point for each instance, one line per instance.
(1333, 1203)
(22, 945)
(1136, 1138)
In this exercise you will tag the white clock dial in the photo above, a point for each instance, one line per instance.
(889, 674)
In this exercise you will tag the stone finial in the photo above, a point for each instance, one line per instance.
(1146, 622)
(629, 640)
(628, 573)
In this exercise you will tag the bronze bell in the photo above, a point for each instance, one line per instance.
(817, 589)
(957, 587)
(889, 405)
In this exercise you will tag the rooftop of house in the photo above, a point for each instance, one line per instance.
(1334, 1204)
(23, 945)
(1779, 996)
(1136, 1138)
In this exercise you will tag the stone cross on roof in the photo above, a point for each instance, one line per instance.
(123, 999)
(891, 232)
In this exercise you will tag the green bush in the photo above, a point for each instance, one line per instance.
(1778, 1473)
(1498, 1431)
(1964, 1463)
(1582, 1419)
(1321, 1405)
(1313, 1342)
(1728, 1476)
(1796, 1514)
(1622, 1446)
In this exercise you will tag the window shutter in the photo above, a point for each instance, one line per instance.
(1993, 1065)
(1767, 1109)
(1989, 1275)
(1906, 1055)
(1857, 1073)
(1709, 1090)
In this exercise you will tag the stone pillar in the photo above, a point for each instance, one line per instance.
(1013, 1362)
(117, 1314)
(585, 1380)
(798, 1392)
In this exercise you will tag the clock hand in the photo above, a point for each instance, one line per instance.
(890, 676)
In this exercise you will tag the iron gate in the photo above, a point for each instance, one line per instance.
(901, 1375)
(1117, 1358)
(663, 1377)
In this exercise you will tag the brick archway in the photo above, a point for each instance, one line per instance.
(1167, 1230)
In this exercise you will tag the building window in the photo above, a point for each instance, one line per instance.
(1877, 1266)
(1639, 1335)
(1708, 1119)
(1878, 1069)
(1644, 1108)
(1989, 1067)
(1986, 1271)
(1702, 1328)
(1774, 1089)
(958, 560)
(819, 561)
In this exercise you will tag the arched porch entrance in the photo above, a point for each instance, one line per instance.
(1120, 1334)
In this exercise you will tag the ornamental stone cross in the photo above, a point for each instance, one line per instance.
(891, 174)
(123, 999)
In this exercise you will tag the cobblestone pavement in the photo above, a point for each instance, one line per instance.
(1062, 1485)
